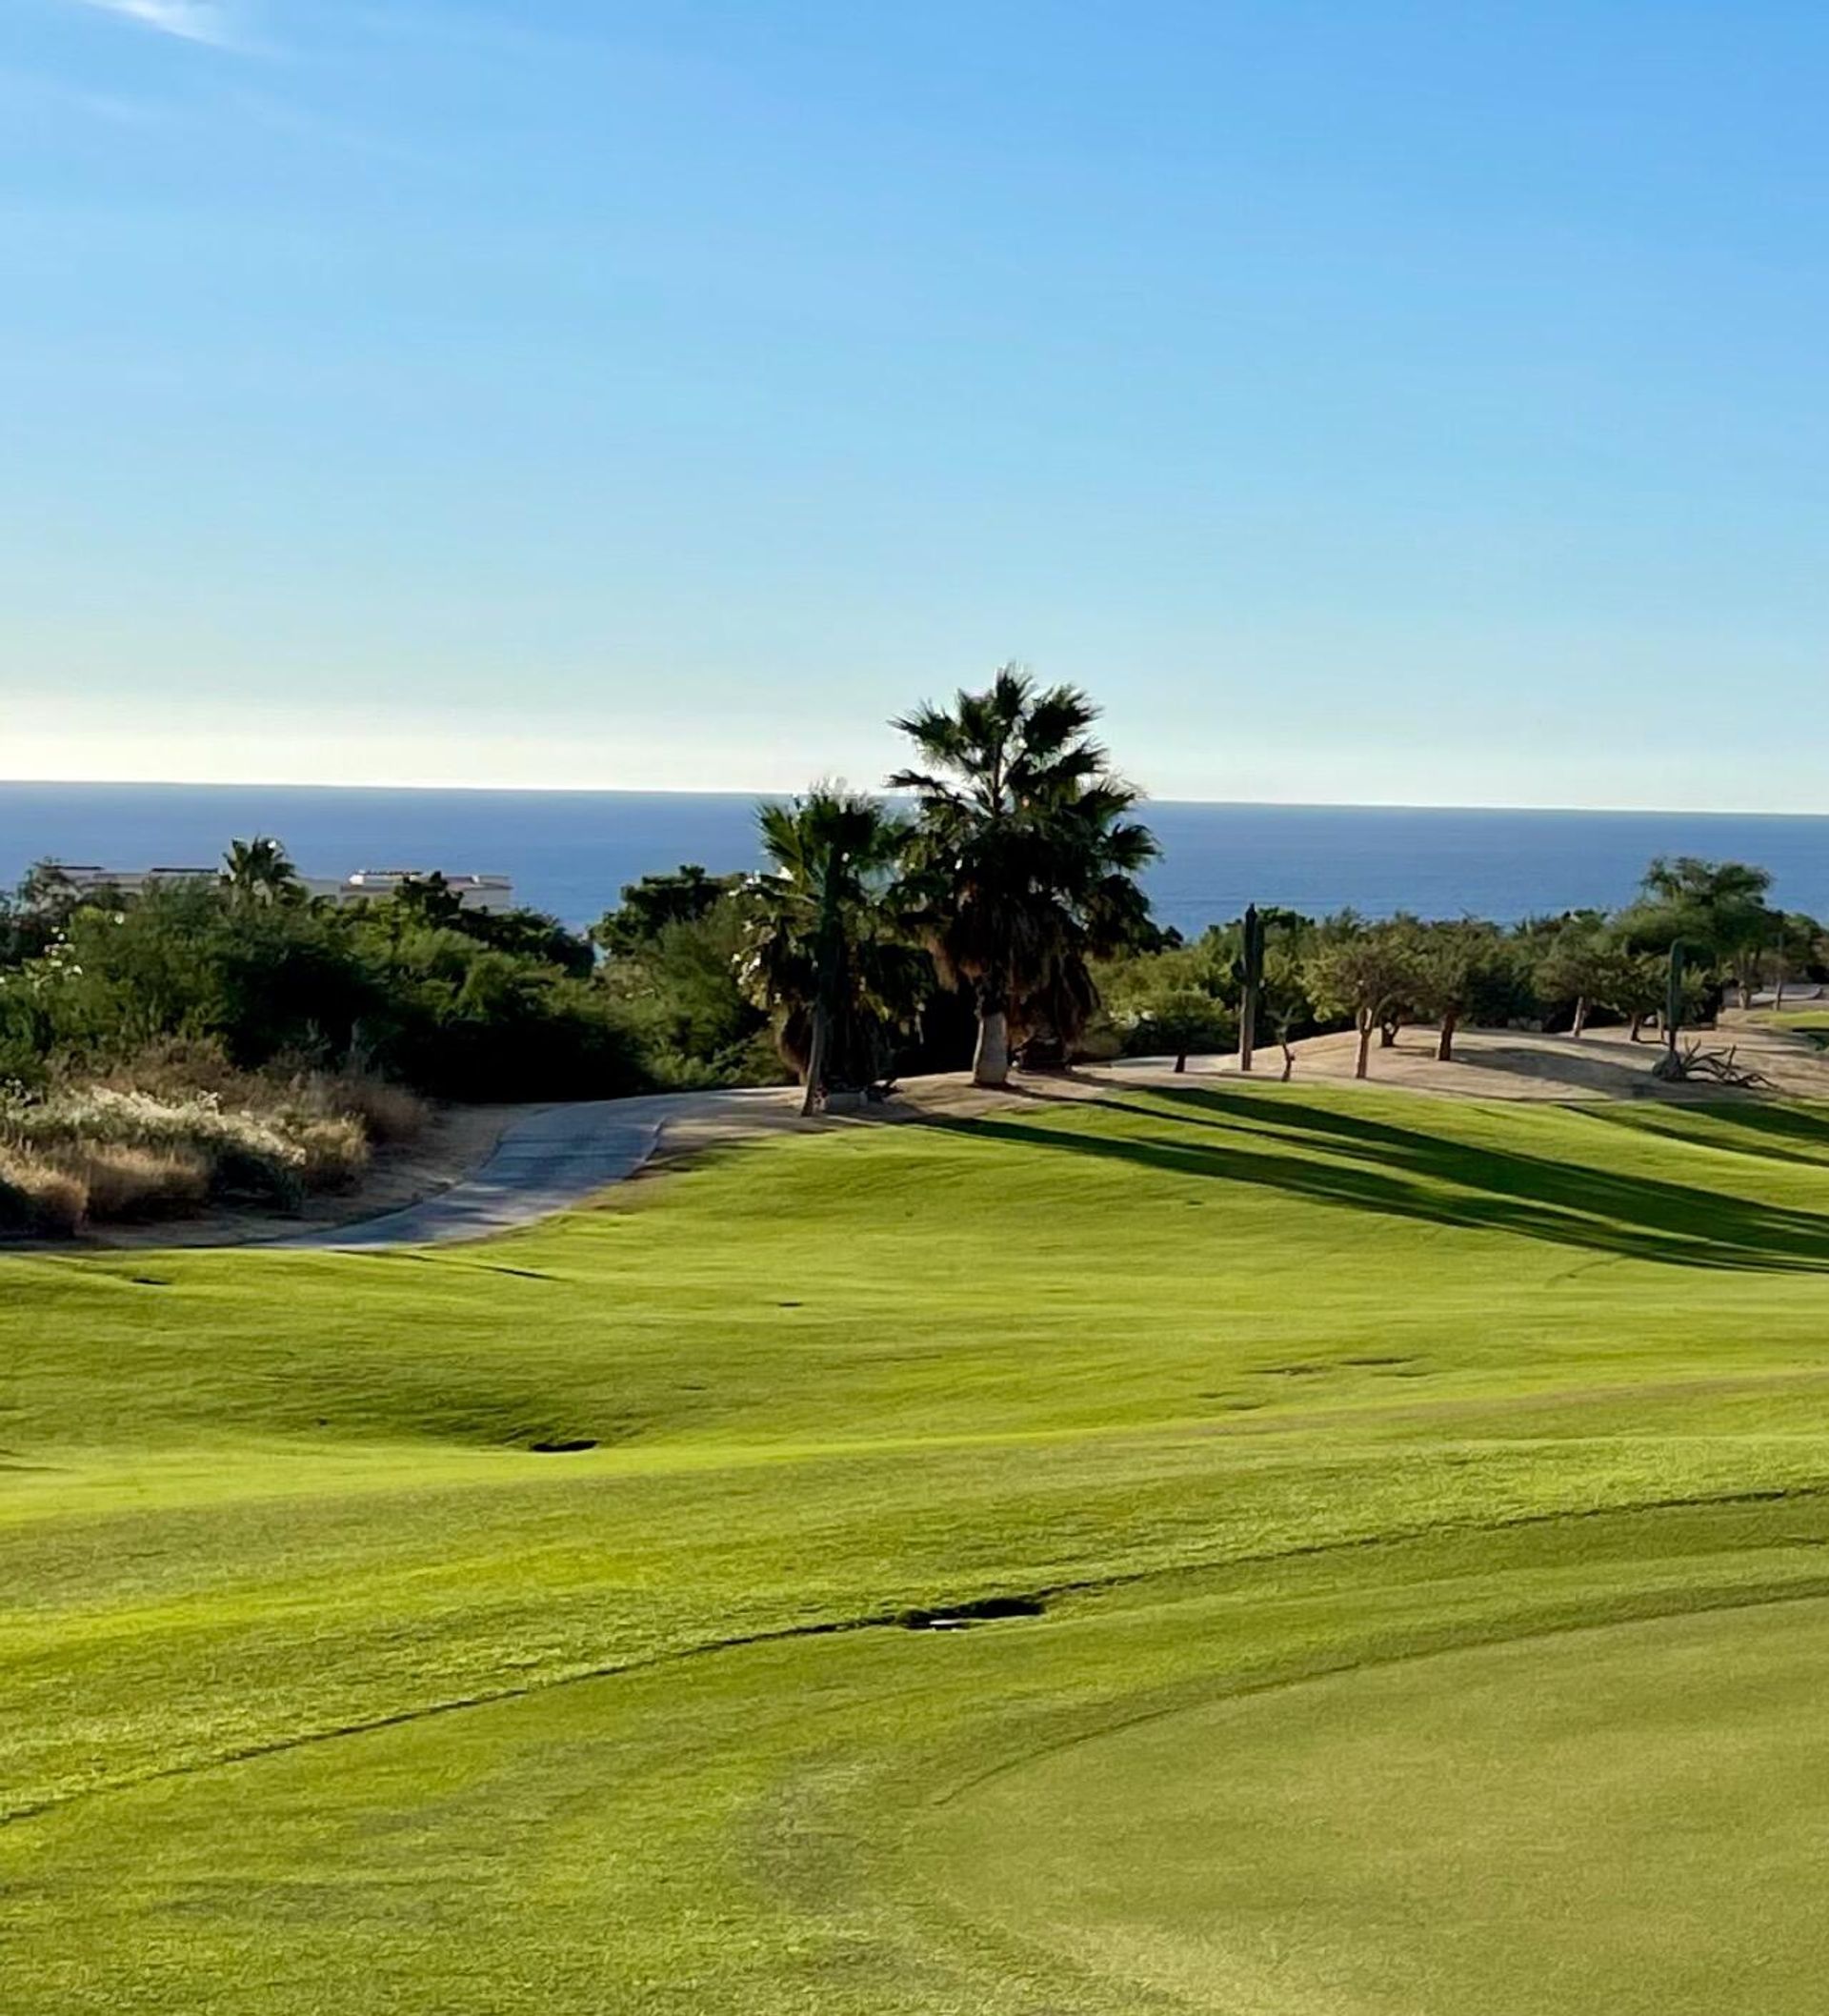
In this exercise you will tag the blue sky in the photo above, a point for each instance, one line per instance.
(1368, 402)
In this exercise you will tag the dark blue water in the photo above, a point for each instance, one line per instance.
(570, 852)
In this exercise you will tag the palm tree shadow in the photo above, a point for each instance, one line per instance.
(1769, 1133)
(1364, 1164)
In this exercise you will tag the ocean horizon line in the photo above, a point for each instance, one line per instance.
(758, 793)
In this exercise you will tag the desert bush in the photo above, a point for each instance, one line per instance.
(388, 1113)
(334, 1151)
(121, 1184)
(246, 1155)
(39, 1199)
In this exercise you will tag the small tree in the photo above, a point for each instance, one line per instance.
(1179, 1022)
(1364, 973)
(657, 901)
(1584, 967)
(1464, 972)
(1284, 1004)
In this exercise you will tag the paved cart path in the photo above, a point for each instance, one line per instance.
(557, 1157)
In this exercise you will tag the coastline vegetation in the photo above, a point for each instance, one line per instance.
(204, 1038)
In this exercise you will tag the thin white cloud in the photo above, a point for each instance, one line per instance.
(190, 20)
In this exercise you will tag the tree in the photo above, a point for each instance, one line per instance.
(681, 991)
(1178, 1021)
(656, 901)
(1024, 858)
(1465, 972)
(1365, 974)
(1284, 1004)
(1791, 952)
(1717, 910)
(822, 952)
(1581, 967)
(258, 871)
(427, 901)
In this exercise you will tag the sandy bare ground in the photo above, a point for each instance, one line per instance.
(1520, 1064)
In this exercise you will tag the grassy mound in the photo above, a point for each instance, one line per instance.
(321, 1686)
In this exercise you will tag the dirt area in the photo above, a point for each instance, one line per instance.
(1520, 1064)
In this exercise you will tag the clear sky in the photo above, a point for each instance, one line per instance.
(1367, 401)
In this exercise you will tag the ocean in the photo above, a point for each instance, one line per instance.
(570, 852)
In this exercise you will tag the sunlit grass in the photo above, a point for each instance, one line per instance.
(1240, 1384)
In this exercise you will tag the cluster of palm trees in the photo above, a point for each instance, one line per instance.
(1014, 869)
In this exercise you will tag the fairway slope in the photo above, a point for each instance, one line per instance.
(526, 1624)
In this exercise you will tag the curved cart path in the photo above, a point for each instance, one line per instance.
(557, 1157)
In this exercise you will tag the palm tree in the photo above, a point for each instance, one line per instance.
(822, 952)
(1024, 856)
(1717, 909)
(258, 871)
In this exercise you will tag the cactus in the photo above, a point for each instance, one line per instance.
(1674, 997)
(1253, 974)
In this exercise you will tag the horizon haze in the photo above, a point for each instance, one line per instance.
(1368, 404)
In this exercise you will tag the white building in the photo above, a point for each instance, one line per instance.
(474, 892)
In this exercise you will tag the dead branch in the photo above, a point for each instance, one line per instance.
(1717, 1066)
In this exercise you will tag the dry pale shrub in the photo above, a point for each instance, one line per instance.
(335, 1151)
(176, 1068)
(180, 1126)
(389, 1112)
(125, 1184)
(246, 1153)
(37, 1198)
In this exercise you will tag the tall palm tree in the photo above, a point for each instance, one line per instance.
(822, 952)
(1024, 856)
(258, 871)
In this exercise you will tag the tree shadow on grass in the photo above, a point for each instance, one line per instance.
(1784, 1134)
(1342, 1159)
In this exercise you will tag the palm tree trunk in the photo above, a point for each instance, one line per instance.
(991, 1060)
(1365, 1043)
(817, 1051)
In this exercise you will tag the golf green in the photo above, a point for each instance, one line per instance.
(1630, 1813)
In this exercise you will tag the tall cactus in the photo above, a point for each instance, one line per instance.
(1252, 973)
(1674, 997)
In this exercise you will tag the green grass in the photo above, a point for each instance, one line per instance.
(320, 1690)
(1809, 1021)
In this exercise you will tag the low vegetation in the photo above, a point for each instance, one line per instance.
(182, 1128)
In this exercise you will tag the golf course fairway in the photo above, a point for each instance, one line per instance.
(1275, 1552)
